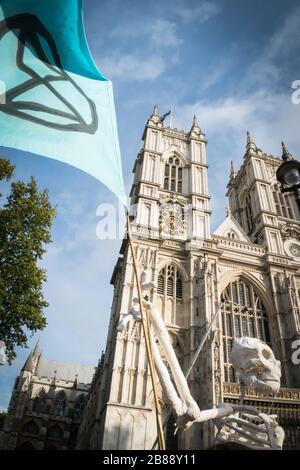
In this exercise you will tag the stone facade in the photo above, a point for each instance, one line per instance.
(252, 261)
(46, 405)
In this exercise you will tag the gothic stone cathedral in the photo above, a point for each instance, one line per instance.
(252, 262)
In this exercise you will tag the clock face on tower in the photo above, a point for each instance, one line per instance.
(172, 219)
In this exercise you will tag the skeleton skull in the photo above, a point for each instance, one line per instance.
(256, 365)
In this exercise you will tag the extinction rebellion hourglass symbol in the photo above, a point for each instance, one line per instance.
(35, 41)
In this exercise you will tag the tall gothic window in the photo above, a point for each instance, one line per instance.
(248, 212)
(60, 404)
(78, 408)
(31, 427)
(283, 203)
(55, 432)
(170, 282)
(173, 175)
(243, 314)
(39, 403)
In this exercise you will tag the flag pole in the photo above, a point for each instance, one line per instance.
(147, 335)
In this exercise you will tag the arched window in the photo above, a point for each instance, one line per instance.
(173, 175)
(170, 282)
(231, 234)
(39, 403)
(55, 432)
(60, 404)
(283, 203)
(243, 314)
(79, 407)
(31, 427)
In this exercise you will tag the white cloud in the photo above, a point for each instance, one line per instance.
(270, 118)
(157, 38)
(204, 11)
(131, 67)
(219, 68)
(267, 112)
(163, 33)
(158, 32)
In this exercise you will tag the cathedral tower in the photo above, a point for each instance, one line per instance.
(170, 202)
(272, 220)
(251, 262)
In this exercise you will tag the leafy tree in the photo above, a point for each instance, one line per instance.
(25, 227)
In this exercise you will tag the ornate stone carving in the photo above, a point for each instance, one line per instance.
(172, 198)
(172, 244)
(174, 141)
(289, 231)
(146, 258)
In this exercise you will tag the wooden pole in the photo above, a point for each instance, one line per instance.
(147, 335)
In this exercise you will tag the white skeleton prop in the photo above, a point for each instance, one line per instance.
(256, 366)
(247, 432)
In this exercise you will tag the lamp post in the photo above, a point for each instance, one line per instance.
(288, 175)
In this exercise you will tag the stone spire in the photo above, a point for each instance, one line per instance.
(33, 358)
(250, 143)
(154, 117)
(285, 153)
(75, 384)
(28, 366)
(233, 172)
(195, 126)
(37, 349)
(249, 138)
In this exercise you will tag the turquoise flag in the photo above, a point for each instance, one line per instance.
(53, 100)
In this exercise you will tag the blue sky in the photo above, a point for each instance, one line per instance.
(229, 62)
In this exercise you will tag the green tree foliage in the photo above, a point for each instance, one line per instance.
(25, 227)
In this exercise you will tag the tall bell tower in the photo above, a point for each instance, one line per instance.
(171, 168)
(170, 204)
(272, 220)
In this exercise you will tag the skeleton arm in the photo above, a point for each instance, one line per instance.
(192, 410)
